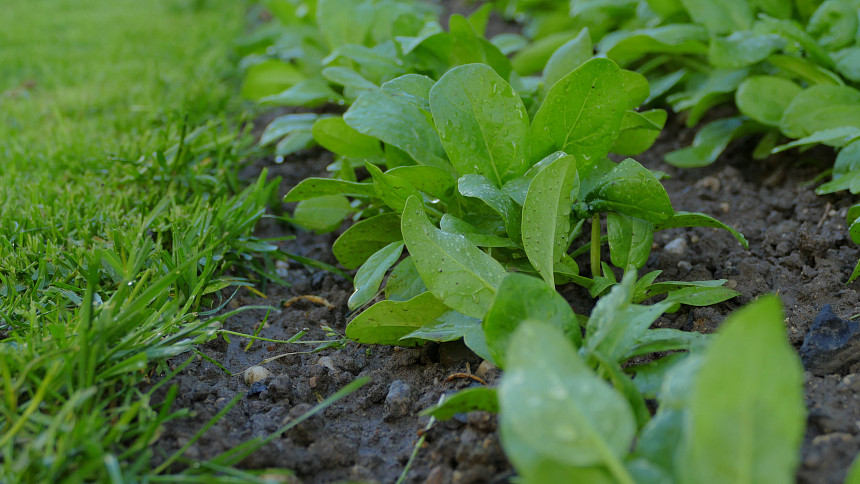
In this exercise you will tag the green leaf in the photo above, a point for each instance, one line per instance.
(448, 327)
(568, 57)
(268, 78)
(433, 181)
(322, 214)
(625, 47)
(639, 131)
(630, 240)
(836, 137)
(533, 57)
(804, 69)
(582, 112)
(366, 237)
(410, 88)
(284, 125)
(821, 107)
(387, 322)
(720, 16)
(370, 275)
(546, 215)
(392, 189)
(795, 34)
(476, 186)
(741, 49)
(631, 189)
(482, 123)
(637, 89)
(309, 93)
(468, 48)
(853, 476)
(468, 400)
(709, 142)
(317, 187)
(404, 282)
(455, 271)
(834, 24)
(453, 225)
(696, 219)
(552, 405)
(397, 123)
(746, 416)
(344, 22)
(848, 63)
(616, 325)
(336, 136)
(765, 98)
(347, 77)
(524, 298)
(701, 296)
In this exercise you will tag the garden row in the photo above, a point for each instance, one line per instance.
(486, 160)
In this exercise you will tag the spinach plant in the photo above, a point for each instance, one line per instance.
(730, 408)
(459, 175)
(332, 51)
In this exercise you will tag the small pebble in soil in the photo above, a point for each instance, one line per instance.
(677, 246)
(282, 269)
(831, 345)
(326, 362)
(256, 389)
(484, 369)
(398, 402)
(685, 266)
(255, 373)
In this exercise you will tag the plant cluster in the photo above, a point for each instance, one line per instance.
(486, 176)
(791, 69)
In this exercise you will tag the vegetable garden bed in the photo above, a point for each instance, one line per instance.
(798, 248)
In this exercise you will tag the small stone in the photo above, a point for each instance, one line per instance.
(255, 374)
(326, 362)
(685, 266)
(398, 402)
(677, 246)
(313, 382)
(832, 343)
(256, 389)
(731, 284)
(725, 207)
(694, 239)
(282, 269)
(438, 476)
(484, 369)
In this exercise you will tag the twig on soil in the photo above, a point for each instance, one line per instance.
(455, 376)
(321, 301)
(825, 215)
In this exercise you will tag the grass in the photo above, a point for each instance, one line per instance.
(121, 211)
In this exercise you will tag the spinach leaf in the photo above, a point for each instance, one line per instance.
(455, 271)
(387, 322)
(631, 189)
(482, 123)
(397, 123)
(546, 215)
(468, 400)
(525, 298)
(582, 112)
(554, 410)
(365, 238)
(751, 382)
(630, 240)
(370, 275)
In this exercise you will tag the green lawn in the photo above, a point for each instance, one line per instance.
(114, 234)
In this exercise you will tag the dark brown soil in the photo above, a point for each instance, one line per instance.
(799, 249)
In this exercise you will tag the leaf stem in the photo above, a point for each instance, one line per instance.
(595, 245)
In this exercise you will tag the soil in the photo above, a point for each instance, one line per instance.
(799, 249)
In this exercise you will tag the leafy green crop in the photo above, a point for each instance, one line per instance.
(730, 408)
(791, 68)
(460, 174)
